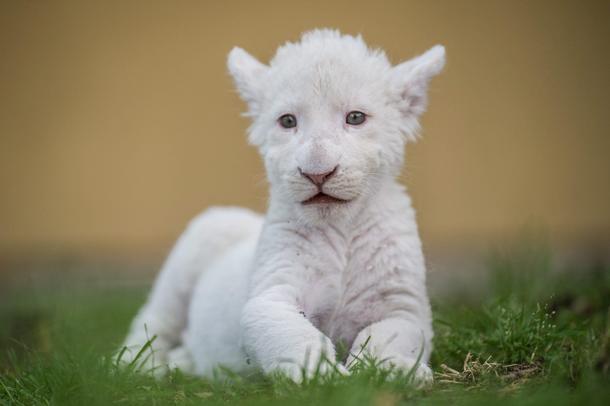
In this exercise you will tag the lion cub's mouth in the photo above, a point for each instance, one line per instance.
(322, 198)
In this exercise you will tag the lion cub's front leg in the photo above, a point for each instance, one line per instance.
(398, 344)
(399, 335)
(280, 338)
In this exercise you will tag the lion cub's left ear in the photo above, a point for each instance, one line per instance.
(410, 79)
(248, 75)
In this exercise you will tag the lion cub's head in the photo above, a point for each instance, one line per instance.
(331, 117)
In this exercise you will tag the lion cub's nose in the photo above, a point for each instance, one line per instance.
(318, 179)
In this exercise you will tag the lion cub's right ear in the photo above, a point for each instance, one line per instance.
(248, 74)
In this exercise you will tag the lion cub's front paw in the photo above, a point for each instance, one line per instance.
(421, 375)
(299, 374)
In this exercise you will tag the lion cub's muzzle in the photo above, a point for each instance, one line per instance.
(318, 179)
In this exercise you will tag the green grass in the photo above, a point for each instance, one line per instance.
(534, 337)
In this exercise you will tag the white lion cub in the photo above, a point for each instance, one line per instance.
(337, 260)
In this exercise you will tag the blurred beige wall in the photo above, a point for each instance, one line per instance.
(118, 121)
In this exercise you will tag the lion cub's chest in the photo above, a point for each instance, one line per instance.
(341, 297)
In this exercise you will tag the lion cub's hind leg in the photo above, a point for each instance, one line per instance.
(164, 316)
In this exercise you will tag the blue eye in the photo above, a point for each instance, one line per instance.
(355, 118)
(288, 121)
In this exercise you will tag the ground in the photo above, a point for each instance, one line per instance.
(533, 335)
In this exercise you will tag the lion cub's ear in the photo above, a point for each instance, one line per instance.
(247, 73)
(410, 79)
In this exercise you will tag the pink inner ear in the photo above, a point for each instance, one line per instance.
(414, 98)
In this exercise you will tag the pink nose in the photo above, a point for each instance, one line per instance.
(318, 179)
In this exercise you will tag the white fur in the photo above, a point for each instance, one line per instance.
(282, 292)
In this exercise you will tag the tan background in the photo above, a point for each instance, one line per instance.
(118, 121)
